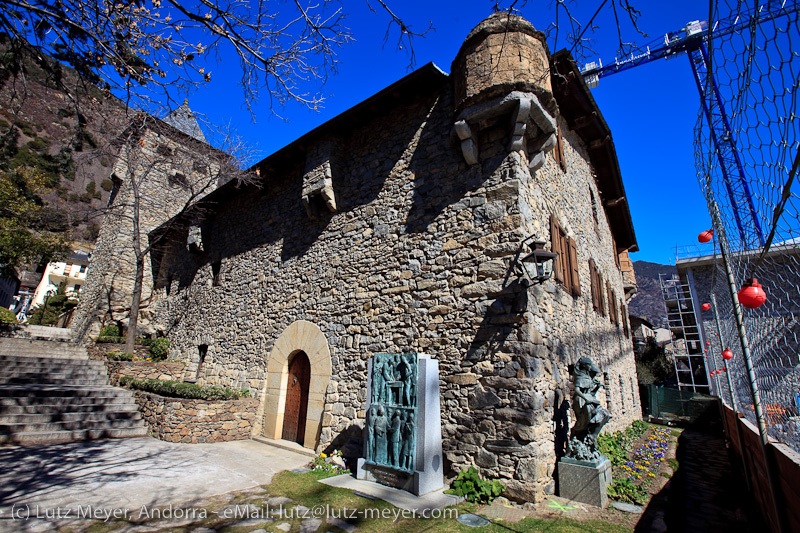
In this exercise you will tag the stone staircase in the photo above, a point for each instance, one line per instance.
(51, 392)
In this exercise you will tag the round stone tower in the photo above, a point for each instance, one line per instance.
(503, 53)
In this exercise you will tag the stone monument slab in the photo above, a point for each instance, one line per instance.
(585, 482)
(403, 444)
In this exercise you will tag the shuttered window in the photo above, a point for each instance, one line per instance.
(555, 246)
(566, 269)
(612, 306)
(558, 151)
(625, 329)
(601, 297)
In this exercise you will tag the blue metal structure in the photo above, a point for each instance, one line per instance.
(693, 40)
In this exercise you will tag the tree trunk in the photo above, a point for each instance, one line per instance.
(133, 318)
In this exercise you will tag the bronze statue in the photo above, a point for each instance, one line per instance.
(590, 416)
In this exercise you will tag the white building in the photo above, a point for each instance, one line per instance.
(72, 271)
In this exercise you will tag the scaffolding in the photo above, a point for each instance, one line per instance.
(687, 333)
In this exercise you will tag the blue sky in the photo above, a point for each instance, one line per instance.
(651, 109)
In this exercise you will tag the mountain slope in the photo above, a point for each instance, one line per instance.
(648, 302)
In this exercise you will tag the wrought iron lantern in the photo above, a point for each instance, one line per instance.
(537, 266)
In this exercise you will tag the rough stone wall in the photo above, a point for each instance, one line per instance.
(167, 174)
(418, 257)
(144, 370)
(194, 421)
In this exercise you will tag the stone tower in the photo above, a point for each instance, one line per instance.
(503, 67)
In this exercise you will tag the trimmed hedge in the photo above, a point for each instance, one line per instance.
(177, 389)
(120, 356)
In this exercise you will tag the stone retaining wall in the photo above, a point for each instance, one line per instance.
(144, 370)
(194, 421)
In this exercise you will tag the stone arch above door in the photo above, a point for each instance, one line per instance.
(305, 336)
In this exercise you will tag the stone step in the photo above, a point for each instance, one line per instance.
(31, 418)
(115, 405)
(43, 391)
(37, 348)
(56, 373)
(45, 332)
(23, 360)
(49, 379)
(55, 437)
(71, 425)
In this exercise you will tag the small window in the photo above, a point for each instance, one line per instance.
(77, 289)
(594, 208)
(82, 269)
(202, 352)
(164, 150)
(216, 278)
(178, 180)
(116, 184)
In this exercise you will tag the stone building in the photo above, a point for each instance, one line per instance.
(162, 166)
(399, 226)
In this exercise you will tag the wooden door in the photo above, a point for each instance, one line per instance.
(294, 417)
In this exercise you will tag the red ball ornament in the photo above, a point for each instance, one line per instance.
(706, 236)
(706, 306)
(752, 295)
(705, 351)
(724, 370)
(727, 355)
(708, 343)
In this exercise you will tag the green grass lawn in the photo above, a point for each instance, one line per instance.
(305, 490)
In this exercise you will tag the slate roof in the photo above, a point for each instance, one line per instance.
(183, 119)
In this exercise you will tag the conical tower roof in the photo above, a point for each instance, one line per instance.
(183, 119)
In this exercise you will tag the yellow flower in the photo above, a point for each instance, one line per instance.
(323, 455)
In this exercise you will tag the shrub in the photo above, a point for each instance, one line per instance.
(473, 488)
(112, 330)
(176, 389)
(623, 490)
(120, 356)
(159, 348)
(7, 317)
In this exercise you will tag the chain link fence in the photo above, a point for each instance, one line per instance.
(747, 143)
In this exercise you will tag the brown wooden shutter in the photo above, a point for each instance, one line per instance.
(558, 151)
(616, 253)
(555, 245)
(612, 305)
(625, 328)
(574, 268)
(601, 300)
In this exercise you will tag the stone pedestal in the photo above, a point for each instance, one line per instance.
(428, 473)
(584, 481)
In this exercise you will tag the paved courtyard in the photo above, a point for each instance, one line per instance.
(108, 475)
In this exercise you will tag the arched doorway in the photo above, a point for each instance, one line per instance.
(294, 416)
(306, 337)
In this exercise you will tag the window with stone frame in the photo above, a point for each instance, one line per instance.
(596, 282)
(558, 151)
(565, 269)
